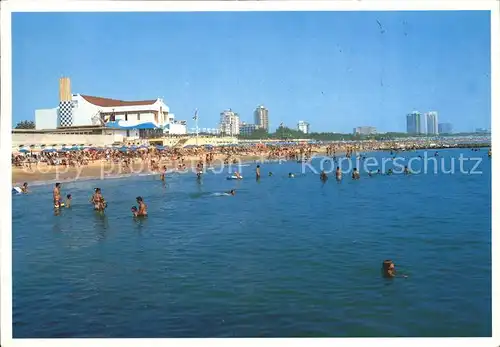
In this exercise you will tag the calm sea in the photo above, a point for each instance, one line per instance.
(283, 257)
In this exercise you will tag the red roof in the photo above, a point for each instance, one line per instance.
(105, 102)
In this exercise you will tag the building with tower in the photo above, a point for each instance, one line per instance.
(140, 118)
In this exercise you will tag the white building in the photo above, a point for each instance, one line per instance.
(432, 123)
(364, 130)
(229, 123)
(247, 129)
(132, 118)
(303, 126)
(261, 117)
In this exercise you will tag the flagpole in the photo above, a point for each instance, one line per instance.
(196, 119)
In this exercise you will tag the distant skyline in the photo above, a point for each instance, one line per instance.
(336, 70)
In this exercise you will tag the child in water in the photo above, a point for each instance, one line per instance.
(68, 200)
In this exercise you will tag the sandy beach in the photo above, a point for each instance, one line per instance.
(102, 169)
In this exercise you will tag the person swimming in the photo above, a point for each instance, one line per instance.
(291, 175)
(24, 188)
(389, 172)
(237, 174)
(232, 192)
(68, 201)
(270, 173)
(143, 208)
(406, 171)
(389, 270)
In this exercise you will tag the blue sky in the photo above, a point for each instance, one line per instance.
(337, 70)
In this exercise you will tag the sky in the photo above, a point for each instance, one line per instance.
(336, 70)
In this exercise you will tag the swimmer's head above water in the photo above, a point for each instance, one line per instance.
(232, 192)
(290, 175)
(388, 269)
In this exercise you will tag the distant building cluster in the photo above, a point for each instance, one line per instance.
(230, 123)
(303, 126)
(445, 128)
(422, 124)
(364, 130)
(482, 131)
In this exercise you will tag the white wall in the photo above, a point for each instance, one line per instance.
(46, 119)
(83, 113)
(60, 139)
(176, 129)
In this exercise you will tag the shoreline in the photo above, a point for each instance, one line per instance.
(106, 170)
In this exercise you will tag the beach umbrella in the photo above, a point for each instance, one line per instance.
(49, 150)
(24, 150)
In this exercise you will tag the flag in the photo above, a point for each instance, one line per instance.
(195, 117)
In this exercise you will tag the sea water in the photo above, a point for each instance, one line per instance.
(283, 257)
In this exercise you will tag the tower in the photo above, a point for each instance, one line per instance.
(65, 112)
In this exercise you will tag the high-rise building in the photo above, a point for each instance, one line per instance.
(432, 123)
(303, 126)
(261, 117)
(229, 123)
(445, 128)
(364, 130)
(414, 124)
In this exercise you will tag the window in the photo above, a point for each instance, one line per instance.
(128, 131)
(138, 116)
(126, 118)
(112, 118)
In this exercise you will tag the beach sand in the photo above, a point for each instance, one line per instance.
(103, 169)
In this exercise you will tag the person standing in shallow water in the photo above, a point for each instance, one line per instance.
(163, 172)
(56, 194)
(323, 176)
(143, 208)
(257, 172)
(338, 174)
(355, 174)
